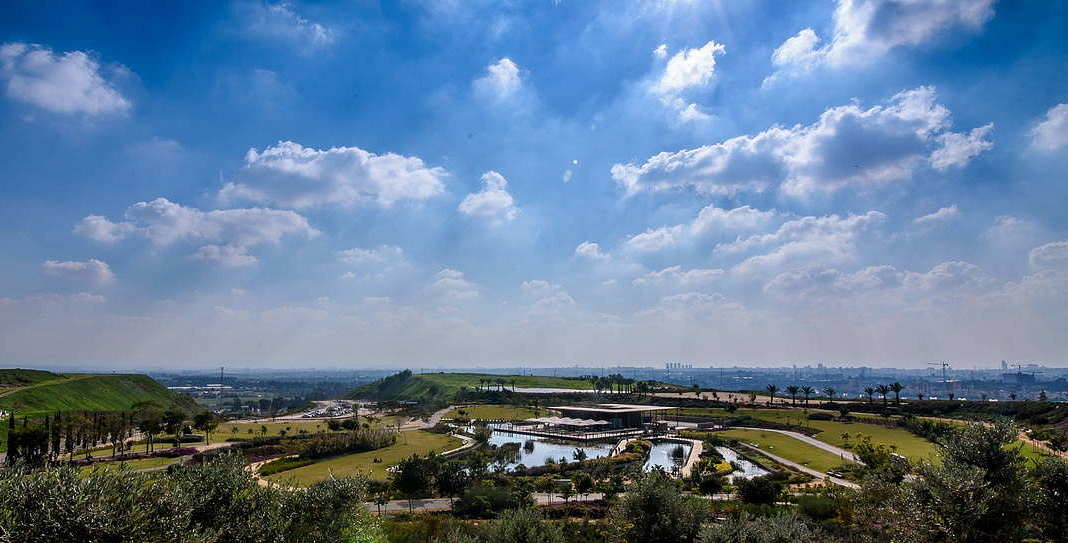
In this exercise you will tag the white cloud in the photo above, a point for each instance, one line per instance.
(677, 276)
(661, 51)
(847, 146)
(944, 214)
(591, 251)
(687, 69)
(1012, 232)
(546, 296)
(816, 283)
(291, 175)
(502, 80)
(229, 232)
(958, 149)
(567, 175)
(227, 256)
(1051, 133)
(1051, 256)
(711, 221)
(381, 257)
(949, 277)
(71, 82)
(865, 30)
(806, 241)
(91, 271)
(451, 286)
(493, 202)
(280, 20)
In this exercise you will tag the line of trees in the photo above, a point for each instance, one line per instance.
(35, 441)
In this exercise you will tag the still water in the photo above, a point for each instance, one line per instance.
(660, 455)
(545, 448)
(747, 469)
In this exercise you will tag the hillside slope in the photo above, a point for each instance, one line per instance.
(429, 387)
(88, 392)
(17, 378)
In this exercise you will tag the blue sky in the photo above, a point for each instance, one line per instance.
(457, 183)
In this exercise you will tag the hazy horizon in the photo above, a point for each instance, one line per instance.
(534, 184)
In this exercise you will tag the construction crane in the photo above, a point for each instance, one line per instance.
(945, 378)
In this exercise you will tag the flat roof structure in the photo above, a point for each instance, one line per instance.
(618, 415)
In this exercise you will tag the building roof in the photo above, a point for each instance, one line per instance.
(565, 421)
(613, 408)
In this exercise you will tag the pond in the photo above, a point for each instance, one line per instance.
(535, 450)
(661, 455)
(747, 469)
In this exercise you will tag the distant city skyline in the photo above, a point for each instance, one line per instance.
(497, 184)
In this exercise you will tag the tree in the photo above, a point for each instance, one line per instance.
(578, 454)
(830, 391)
(759, 490)
(412, 478)
(452, 480)
(807, 391)
(782, 528)
(546, 485)
(654, 511)
(583, 483)
(870, 391)
(524, 525)
(1051, 480)
(151, 423)
(173, 423)
(772, 389)
(883, 390)
(897, 388)
(792, 390)
(206, 422)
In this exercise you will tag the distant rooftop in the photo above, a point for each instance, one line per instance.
(614, 408)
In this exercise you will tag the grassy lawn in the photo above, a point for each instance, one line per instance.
(143, 463)
(906, 443)
(492, 412)
(787, 447)
(408, 443)
(470, 380)
(227, 430)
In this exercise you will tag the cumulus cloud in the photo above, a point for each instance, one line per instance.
(67, 83)
(1051, 256)
(451, 286)
(805, 241)
(807, 283)
(591, 251)
(90, 271)
(229, 233)
(677, 276)
(493, 202)
(382, 256)
(546, 296)
(847, 146)
(291, 175)
(943, 214)
(1012, 232)
(688, 69)
(502, 80)
(865, 30)
(281, 21)
(711, 221)
(1051, 133)
(949, 277)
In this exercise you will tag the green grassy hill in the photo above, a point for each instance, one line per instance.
(429, 387)
(88, 392)
(35, 393)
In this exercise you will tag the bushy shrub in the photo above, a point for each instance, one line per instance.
(485, 501)
(759, 490)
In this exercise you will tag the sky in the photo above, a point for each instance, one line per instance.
(447, 183)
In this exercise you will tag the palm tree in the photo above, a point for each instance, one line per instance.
(870, 392)
(793, 390)
(807, 391)
(897, 388)
(883, 390)
(772, 389)
(829, 391)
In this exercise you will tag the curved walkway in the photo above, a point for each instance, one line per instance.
(802, 468)
(837, 451)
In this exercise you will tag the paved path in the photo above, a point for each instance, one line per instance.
(837, 451)
(436, 418)
(802, 468)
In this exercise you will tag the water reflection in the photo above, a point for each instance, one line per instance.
(535, 450)
(663, 454)
(746, 469)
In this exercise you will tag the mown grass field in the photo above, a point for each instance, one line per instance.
(496, 412)
(408, 443)
(840, 434)
(788, 448)
(444, 386)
